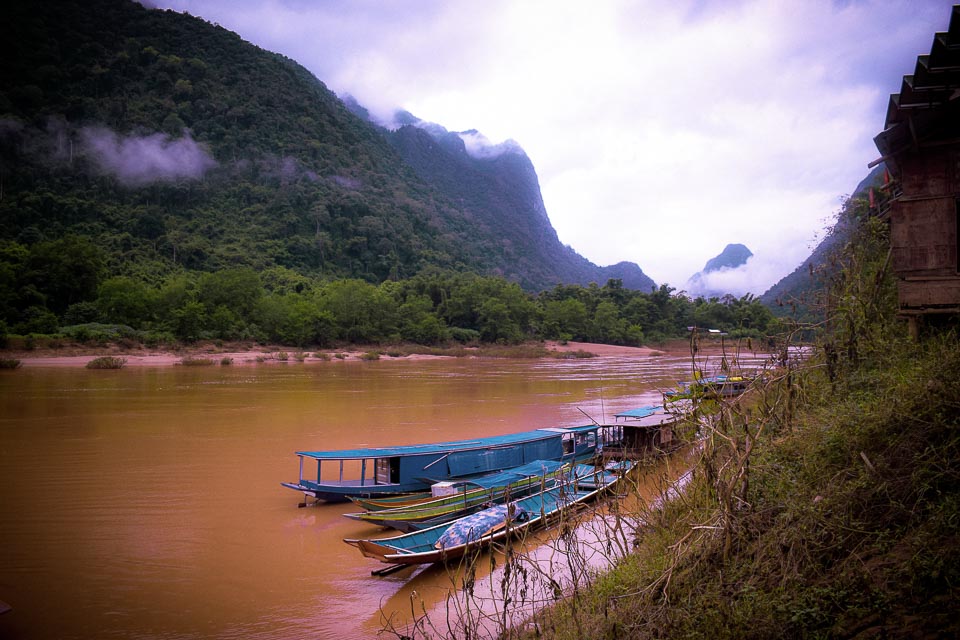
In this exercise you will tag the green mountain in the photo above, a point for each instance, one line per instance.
(152, 141)
(497, 186)
(732, 256)
(799, 293)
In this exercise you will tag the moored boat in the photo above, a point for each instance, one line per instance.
(390, 471)
(452, 540)
(712, 387)
(588, 476)
(645, 431)
(465, 496)
(391, 502)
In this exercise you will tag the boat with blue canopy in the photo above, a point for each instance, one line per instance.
(455, 499)
(452, 540)
(639, 413)
(709, 387)
(389, 471)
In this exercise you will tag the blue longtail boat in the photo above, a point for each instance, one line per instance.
(465, 497)
(386, 471)
(452, 540)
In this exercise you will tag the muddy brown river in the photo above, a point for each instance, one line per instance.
(146, 502)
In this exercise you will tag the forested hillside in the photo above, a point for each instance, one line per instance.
(160, 176)
(498, 187)
(170, 143)
(800, 294)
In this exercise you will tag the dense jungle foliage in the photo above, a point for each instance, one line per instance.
(171, 144)
(161, 179)
(279, 305)
(146, 151)
(824, 505)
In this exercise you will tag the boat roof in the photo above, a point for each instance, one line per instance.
(515, 474)
(640, 412)
(445, 447)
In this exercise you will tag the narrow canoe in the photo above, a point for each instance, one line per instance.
(471, 495)
(452, 540)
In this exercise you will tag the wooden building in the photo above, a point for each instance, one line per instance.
(647, 431)
(920, 146)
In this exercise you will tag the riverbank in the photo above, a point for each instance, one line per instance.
(826, 508)
(77, 355)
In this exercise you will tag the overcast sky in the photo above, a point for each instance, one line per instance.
(661, 130)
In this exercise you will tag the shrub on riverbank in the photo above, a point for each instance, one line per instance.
(106, 362)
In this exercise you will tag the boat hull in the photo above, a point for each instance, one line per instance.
(487, 490)
(427, 546)
(335, 494)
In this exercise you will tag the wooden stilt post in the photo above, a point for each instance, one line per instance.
(913, 327)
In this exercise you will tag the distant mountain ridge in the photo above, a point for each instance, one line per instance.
(797, 293)
(170, 143)
(498, 187)
(733, 256)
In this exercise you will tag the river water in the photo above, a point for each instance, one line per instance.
(146, 502)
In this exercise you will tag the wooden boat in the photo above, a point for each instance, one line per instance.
(452, 540)
(644, 431)
(390, 471)
(464, 497)
(588, 476)
(391, 502)
(711, 387)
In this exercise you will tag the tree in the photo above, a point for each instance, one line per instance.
(495, 323)
(361, 311)
(607, 325)
(189, 321)
(66, 271)
(238, 289)
(565, 319)
(419, 324)
(225, 324)
(123, 300)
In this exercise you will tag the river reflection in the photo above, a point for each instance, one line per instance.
(146, 502)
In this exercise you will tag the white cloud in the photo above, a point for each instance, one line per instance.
(660, 130)
(138, 160)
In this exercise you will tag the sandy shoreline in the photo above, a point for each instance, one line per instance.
(274, 355)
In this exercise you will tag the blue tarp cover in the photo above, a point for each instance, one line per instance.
(504, 478)
(473, 528)
(641, 412)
